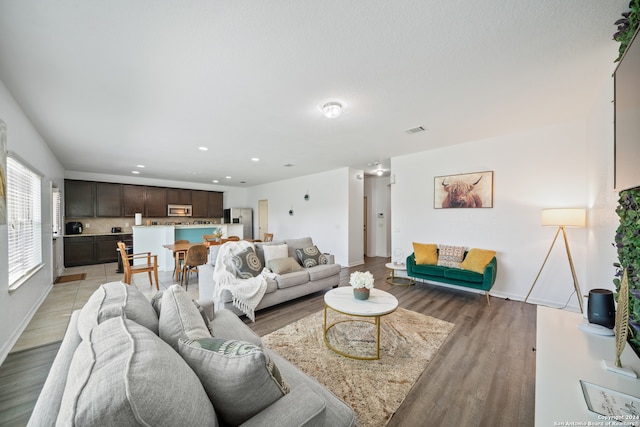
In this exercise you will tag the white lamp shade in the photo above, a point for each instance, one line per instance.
(564, 217)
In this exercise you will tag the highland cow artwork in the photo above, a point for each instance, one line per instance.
(469, 190)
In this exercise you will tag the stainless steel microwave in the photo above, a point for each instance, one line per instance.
(179, 210)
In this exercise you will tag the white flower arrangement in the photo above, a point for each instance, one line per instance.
(359, 279)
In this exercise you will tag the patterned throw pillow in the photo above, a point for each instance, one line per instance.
(311, 256)
(239, 377)
(450, 256)
(247, 264)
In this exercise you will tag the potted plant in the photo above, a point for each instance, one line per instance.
(362, 283)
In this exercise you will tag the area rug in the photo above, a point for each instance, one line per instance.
(71, 278)
(373, 388)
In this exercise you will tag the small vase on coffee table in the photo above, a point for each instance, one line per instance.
(361, 293)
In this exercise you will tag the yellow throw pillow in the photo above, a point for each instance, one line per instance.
(425, 253)
(477, 259)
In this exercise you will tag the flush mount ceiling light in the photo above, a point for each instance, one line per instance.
(379, 172)
(332, 110)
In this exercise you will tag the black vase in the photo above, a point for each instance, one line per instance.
(600, 308)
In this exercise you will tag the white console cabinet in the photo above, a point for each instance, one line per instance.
(564, 356)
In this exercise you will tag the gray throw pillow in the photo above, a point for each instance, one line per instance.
(239, 377)
(180, 318)
(284, 265)
(247, 264)
(311, 256)
(124, 375)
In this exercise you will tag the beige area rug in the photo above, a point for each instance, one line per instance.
(374, 388)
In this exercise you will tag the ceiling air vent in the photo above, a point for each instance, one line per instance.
(415, 130)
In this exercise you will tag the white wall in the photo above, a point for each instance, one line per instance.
(17, 307)
(533, 170)
(356, 217)
(324, 217)
(601, 198)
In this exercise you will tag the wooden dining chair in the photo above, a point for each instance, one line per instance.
(179, 256)
(233, 239)
(130, 268)
(268, 237)
(196, 255)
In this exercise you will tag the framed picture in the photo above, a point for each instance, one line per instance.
(468, 190)
(612, 405)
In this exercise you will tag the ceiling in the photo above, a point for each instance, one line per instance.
(115, 84)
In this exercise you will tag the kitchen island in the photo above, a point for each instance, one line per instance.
(151, 238)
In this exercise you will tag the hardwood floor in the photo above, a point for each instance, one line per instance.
(483, 375)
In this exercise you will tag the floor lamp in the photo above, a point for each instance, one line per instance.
(562, 218)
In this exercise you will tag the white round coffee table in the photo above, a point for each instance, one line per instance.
(342, 301)
(400, 281)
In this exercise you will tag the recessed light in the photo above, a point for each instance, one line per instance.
(135, 172)
(203, 148)
(139, 166)
(228, 177)
(215, 181)
(255, 159)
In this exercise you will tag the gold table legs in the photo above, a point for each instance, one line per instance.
(326, 328)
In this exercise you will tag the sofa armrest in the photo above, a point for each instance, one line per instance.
(47, 406)
(410, 264)
(489, 275)
(300, 407)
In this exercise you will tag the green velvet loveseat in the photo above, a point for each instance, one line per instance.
(455, 276)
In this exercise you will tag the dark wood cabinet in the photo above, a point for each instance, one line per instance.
(155, 202)
(87, 250)
(79, 198)
(132, 199)
(108, 199)
(177, 196)
(87, 199)
(200, 203)
(106, 247)
(78, 251)
(215, 204)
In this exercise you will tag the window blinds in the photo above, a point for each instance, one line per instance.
(24, 222)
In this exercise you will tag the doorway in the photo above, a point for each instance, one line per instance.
(263, 218)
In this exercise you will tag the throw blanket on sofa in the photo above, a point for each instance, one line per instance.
(246, 293)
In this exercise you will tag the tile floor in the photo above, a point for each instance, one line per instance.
(50, 321)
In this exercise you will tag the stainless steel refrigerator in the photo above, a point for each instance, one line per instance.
(242, 216)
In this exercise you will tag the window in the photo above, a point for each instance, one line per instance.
(24, 221)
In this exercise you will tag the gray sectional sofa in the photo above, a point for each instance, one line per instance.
(284, 287)
(128, 361)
